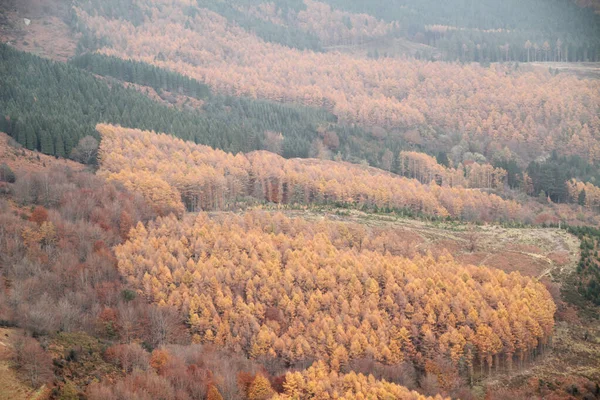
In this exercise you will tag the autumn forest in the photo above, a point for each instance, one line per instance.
(299, 199)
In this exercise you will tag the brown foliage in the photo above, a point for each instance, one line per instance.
(159, 360)
(39, 215)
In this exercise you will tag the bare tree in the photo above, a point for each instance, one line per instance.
(33, 361)
(86, 151)
(165, 326)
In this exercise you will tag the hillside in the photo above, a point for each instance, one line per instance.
(538, 252)
(206, 179)
(19, 158)
(299, 199)
(38, 27)
(432, 98)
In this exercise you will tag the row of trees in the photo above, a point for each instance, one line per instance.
(562, 179)
(31, 101)
(355, 144)
(588, 268)
(281, 289)
(503, 46)
(527, 110)
(426, 169)
(308, 131)
(335, 27)
(49, 107)
(481, 32)
(210, 179)
(287, 35)
(142, 74)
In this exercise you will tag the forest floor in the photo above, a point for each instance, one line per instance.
(11, 387)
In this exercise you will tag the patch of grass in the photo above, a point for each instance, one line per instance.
(78, 358)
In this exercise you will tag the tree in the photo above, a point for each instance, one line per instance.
(387, 160)
(39, 215)
(7, 174)
(581, 198)
(33, 361)
(68, 391)
(86, 151)
(213, 393)
(260, 388)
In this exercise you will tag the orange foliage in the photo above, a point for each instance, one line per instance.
(39, 215)
(335, 27)
(159, 360)
(592, 193)
(339, 300)
(320, 383)
(208, 179)
(528, 107)
(213, 393)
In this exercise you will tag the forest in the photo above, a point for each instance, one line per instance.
(270, 287)
(61, 282)
(437, 105)
(29, 99)
(483, 31)
(172, 173)
(299, 199)
(492, 31)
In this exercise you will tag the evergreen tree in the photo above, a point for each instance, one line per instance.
(581, 198)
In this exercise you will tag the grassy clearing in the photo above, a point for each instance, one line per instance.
(538, 252)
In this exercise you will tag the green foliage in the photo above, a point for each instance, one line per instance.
(485, 25)
(7, 174)
(552, 174)
(581, 198)
(289, 36)
(114, 9)
(50, 106)
(68, 392)
(514, 174)
(588, 269)
(128, 295)
(142, 74)
(297, 123)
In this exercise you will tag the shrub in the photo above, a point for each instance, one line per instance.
(7, 174)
